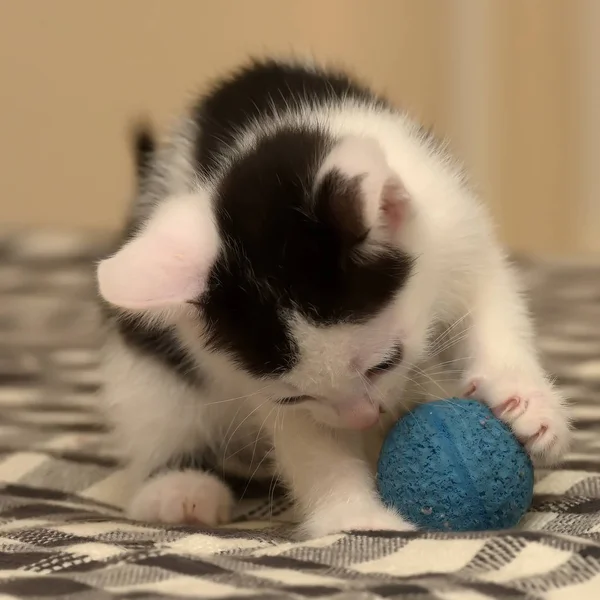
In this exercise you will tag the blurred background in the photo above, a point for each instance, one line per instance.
(514, 84)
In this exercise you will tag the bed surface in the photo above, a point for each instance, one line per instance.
(60, 536)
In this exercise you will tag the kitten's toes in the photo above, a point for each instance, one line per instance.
(182, 497)
(534, 410)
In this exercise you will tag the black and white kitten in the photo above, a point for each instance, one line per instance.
(293, 255)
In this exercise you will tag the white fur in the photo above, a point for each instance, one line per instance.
(462, 285)
(183, 497)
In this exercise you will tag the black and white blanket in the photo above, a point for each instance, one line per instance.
(62, 536)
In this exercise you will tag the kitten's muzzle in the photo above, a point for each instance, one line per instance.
(358, 414)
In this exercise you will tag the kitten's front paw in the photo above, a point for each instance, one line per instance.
(344, 518)
(536, 411)
(182, 497)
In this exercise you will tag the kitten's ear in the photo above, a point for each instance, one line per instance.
(167, 263)
(371, 197)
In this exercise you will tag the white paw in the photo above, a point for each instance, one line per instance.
(535, 411)
(182, 497)
(344, 518)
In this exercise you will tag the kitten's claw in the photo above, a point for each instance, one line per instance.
(535, 411)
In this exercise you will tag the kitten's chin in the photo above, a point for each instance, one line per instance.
(359, 416)
(356, 415)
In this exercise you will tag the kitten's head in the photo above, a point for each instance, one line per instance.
(295, 264)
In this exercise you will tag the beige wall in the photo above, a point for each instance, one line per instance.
(493, 74)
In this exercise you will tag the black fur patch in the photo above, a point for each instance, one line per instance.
(289, 247)
(161, 344)
(262, 89)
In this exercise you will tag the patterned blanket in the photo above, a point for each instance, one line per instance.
(62, 534)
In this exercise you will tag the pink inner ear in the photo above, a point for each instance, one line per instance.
(385, 198)
(167, 264)
(143, 276)
(393, 204)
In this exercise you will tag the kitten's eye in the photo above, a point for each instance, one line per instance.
(293, 400)
(393, 360)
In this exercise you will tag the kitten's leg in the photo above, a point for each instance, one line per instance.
(329, 477)
(178, 497)
(503, 367)
(156, 417)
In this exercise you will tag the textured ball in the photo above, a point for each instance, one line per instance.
(451, 465)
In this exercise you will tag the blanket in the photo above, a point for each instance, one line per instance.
(63, 534)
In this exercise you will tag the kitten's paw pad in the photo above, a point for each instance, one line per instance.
(345, 519)
(183, 497)
(533, 408)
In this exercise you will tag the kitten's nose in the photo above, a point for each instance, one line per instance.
(358, 414)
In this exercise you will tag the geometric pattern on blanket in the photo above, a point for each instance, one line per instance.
(62, 533)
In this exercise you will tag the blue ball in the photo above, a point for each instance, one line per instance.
(451, 465)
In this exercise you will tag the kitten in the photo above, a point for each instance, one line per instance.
(300, 257)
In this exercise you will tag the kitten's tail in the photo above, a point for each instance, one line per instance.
(144, 149)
